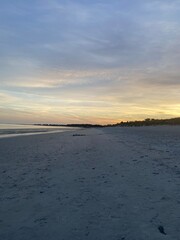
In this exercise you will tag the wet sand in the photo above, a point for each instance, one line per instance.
(104, 184)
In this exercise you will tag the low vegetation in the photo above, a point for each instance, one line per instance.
(146, 122)
(149, 122)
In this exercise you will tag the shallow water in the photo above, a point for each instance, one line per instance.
(12, 130)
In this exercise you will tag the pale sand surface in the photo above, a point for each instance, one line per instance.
(104, 184)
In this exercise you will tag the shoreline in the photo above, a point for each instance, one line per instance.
(70, 129)
(33, 133)
(12, 130)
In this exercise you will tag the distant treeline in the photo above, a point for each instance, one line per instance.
(146, 122)
(149, 122)
(84, 125)
(70, 125)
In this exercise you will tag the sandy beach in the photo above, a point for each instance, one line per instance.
(99, 184)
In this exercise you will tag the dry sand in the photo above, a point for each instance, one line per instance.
(104, 184)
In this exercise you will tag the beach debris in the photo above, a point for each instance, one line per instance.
(78, 135)
(161, 229)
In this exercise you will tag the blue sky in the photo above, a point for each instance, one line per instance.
(89, 61)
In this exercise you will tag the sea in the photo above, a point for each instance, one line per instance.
(13, 130)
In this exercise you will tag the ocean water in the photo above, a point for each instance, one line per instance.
(12, 130)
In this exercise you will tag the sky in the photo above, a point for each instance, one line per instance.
(89, 61)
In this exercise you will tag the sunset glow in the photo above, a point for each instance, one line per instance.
(89, 61)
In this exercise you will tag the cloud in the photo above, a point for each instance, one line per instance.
(90, 59)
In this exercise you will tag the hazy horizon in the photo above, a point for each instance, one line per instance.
(89, 61)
